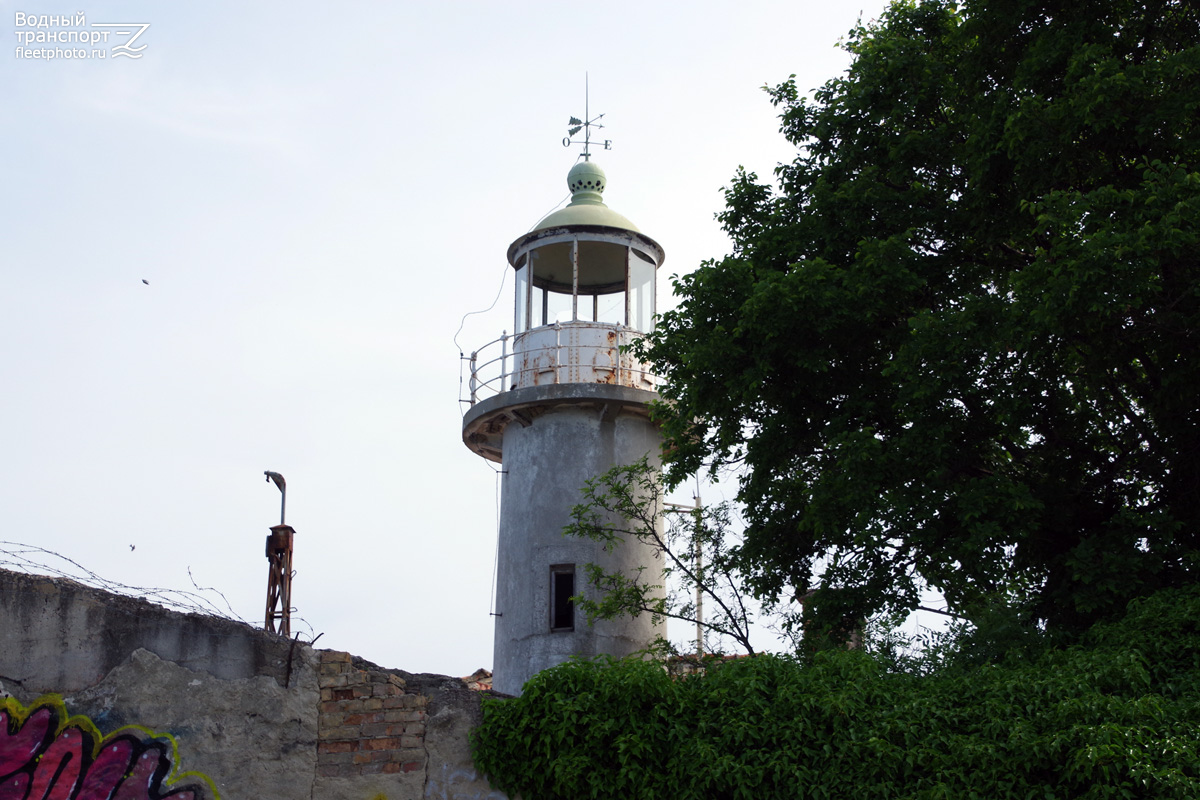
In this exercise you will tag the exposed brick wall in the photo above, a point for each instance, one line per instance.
(368, 724)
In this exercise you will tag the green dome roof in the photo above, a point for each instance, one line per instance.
(586, 181)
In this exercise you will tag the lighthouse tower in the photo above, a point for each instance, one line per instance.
(556, 403)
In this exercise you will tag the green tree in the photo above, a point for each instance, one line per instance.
(704, 587)
(957, 343)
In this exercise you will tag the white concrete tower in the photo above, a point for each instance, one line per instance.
(557, 403)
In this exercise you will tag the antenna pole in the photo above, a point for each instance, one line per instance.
(698, 555)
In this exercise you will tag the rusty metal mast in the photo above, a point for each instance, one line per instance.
(279, 570)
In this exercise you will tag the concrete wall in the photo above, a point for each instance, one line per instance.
(261, 716)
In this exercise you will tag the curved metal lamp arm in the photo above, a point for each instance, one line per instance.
(282, 484)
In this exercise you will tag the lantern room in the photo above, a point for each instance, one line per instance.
(585, 263)
(585, 288)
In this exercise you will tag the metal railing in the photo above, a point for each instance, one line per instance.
(565, 352)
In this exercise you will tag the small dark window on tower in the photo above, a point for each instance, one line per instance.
(562, 587)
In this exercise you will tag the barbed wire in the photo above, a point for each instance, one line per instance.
(204, 600)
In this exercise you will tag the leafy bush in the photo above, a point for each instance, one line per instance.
(1115, 717)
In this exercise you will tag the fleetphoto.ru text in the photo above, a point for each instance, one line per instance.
(48, 37)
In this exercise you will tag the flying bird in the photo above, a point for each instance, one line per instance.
(145, 281)
(131, 548)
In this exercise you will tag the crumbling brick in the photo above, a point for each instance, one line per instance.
(368, 723)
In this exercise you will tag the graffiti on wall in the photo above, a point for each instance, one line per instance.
(45, 754)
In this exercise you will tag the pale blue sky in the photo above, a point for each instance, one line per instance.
(316, 194)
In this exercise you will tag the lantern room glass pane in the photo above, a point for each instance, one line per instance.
(610, 308)
(521, 323)
(641, 292)
(550, 307)
(601, 267)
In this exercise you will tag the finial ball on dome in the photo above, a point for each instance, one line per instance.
(586, 177)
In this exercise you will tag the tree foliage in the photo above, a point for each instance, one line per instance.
(1115, 717)
(705, 586)
(958, 343)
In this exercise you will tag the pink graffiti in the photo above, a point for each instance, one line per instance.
(44, 758)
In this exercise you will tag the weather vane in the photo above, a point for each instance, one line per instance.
(586, 124)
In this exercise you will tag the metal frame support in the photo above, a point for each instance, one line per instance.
(279, 580)
(279, 569)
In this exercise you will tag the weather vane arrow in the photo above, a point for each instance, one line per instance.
(586, 124)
